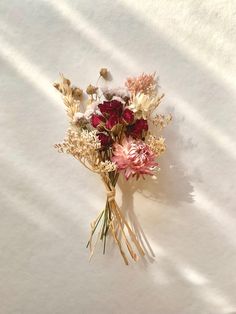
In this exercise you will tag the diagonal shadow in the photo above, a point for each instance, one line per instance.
(165, 189)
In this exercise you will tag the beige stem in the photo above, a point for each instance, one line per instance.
(120, 221)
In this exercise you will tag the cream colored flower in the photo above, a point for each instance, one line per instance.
(143, 105)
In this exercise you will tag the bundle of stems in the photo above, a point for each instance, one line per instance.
(112, 221)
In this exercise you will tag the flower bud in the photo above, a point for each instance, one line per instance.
(77, 93)
(97, 120)
(66, 81)
(104, 73)
(58, 87)
(128, 116)
(91, 90)
(105, 139)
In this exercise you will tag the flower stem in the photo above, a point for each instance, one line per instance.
(107, 213)
(95, 227)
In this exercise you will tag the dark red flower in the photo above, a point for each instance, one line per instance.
(111, 107)
(97, 119)
(128, 116)
(105, 139)
(137, 129)
(112, 121)
(141, 125)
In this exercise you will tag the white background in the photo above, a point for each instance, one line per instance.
(48, 199)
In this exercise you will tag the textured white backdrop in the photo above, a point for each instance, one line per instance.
(188, 214)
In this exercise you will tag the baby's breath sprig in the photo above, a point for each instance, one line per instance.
(162, 120)
(157, 145)
(85, 146)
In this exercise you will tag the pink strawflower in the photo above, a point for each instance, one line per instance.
(143, 84)
(134, 157)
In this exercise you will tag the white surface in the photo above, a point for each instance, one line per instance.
(188, 215)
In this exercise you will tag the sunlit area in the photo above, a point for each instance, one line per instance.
(198, 29)
(168, 241)
(26, 69)
(203, 288)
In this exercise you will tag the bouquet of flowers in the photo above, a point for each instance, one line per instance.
(109, 133)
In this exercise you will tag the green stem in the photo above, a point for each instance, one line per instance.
(95, 227)
(106, 214)
(113, 176)
(105, 220)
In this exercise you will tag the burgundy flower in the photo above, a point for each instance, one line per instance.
(141, 125)
(112, 121)
(105, 139)
(138, 128)
(111, 107)
(128, 116)
(97, 119)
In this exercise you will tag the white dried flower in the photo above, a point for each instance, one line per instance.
(143, 105)
(118, 99)
(85, 116)
(121, 92)
(91, 109)
(78, 116)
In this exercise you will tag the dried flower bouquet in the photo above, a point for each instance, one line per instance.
(111, 136)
